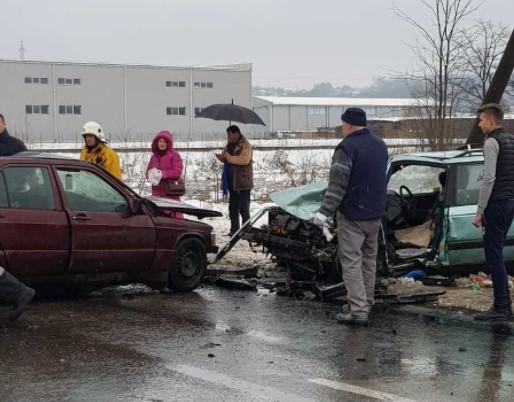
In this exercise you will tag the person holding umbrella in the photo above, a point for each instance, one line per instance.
(237, 176)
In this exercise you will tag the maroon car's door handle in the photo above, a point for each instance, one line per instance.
(81, 217)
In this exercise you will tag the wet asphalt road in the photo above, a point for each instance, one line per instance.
(220, 345)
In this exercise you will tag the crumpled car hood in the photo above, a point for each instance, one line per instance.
(302, 202)
(165, 204)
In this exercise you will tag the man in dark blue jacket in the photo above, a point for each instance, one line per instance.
(12, 292)
(356, 191)
(9, 145)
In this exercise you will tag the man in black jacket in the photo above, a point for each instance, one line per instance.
(9, 145)
(495, 211)
(12, 292)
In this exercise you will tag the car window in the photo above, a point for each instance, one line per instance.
(417, 178)
(29, 188)
(3, 193)
(467, 183)
(86, 191)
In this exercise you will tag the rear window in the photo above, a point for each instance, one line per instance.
(467, 184)
(29, 188)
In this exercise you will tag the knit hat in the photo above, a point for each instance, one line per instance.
(354, 116)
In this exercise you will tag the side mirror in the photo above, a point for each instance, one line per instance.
(136, 206)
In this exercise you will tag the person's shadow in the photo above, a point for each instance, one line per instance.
(491, 385)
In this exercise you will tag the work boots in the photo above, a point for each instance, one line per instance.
(15, 294)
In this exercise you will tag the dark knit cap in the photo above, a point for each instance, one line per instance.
(354, 116)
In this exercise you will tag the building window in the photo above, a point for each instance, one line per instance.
(69, 81)
(37, 109)
(202, 84)
(176, 84)
(70, 109)
(176, 111)
(36, 80)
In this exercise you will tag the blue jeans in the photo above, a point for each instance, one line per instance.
(498, 218)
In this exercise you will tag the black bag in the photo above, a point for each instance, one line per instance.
(174, 187)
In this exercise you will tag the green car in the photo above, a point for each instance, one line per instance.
(432, 200)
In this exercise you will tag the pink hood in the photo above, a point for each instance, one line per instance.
(167, 136)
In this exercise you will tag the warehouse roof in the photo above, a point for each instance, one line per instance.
(326, 101)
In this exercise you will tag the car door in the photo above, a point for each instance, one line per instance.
(464, 244)
(34, 230)
(106, 236)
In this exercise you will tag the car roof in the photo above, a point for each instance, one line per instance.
(442, 158)
(38, 156)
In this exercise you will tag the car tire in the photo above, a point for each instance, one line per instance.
(189, 265)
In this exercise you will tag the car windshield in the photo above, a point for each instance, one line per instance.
(419, 179)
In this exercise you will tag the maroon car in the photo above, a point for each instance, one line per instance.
(66, 222)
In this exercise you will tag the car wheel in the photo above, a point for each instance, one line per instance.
(189, 266)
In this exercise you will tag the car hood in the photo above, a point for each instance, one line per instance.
(165, 204)
(302, 202)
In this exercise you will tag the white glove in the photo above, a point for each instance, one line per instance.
(319, 219)
(154, 176)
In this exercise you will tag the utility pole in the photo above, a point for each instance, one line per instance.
(22, 51)
(496, 89)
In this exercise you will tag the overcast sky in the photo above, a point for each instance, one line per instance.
(291, 43)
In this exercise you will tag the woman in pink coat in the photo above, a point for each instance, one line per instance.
(167, 161)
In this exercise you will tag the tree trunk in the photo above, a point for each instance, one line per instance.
(496, 89)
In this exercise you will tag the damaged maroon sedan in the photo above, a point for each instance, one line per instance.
(65, 222)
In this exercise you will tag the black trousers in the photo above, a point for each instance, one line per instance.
(239, 204)
(498, 218)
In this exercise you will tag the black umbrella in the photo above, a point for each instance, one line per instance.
(230, 112)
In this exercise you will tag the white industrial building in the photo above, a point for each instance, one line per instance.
(50, 101)
(282, 113)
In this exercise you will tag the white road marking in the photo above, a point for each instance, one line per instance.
(256, 390)
(353, 389)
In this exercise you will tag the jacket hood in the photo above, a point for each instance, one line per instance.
(167, 136)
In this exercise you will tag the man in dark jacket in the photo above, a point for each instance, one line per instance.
(357, 191)
(12, 292)
(9, 145)
(238, 155)
(495, 210)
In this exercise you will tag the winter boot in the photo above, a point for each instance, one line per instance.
(495, 314)
(15, 294)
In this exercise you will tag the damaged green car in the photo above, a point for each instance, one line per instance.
(431, 203)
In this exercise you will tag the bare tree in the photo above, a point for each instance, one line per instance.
(438, 72)
(482, 47)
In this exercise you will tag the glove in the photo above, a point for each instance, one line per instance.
(319, 219)
(154, 176)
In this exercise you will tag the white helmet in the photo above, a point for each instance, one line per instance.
(93, 128)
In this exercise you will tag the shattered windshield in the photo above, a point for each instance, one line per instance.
(419, 179)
